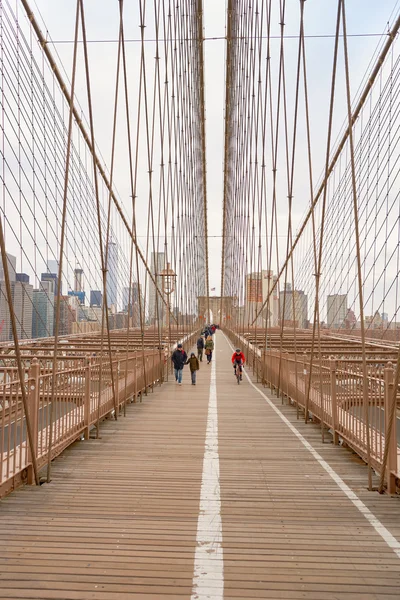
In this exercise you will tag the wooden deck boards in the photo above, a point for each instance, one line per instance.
(119, 520)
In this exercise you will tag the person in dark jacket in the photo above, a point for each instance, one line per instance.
(200, 348)
(179, 358)
(209, 349)
(194, 366)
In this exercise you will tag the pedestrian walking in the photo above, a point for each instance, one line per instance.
(194, 366)
(209, 349)
(179, 358)
(200, 348)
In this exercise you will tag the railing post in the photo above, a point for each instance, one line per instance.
(136, 378)
(33, 407)
(153, 375)
(86, 401)
(335, 420)
(306, 383)
(391, 465)
(287, 371)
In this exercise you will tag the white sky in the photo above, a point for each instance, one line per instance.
(363, 16)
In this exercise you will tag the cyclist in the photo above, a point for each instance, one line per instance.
(238, 360)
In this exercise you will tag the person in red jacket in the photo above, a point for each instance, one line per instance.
(238, 360)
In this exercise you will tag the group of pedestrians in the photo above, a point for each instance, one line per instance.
(205, 345)
(209, 330)
(180, 359)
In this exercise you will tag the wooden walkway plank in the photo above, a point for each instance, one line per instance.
(271, 483)
(120, 519)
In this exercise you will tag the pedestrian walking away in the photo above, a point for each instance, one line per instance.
(209, 349)
(194, 366)
(179, 358)
(200, 348)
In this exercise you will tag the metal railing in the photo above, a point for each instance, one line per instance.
(333, 395)
(82, 397)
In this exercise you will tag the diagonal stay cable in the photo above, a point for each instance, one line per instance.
(380, 61)
(78, 120)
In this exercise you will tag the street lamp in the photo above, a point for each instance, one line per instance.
(168, 278)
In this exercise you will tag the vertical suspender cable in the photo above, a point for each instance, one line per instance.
(62, 241)
(358, 250)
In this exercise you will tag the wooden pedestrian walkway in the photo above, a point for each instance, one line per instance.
(211, 491)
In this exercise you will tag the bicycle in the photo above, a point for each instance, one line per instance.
(238, 372)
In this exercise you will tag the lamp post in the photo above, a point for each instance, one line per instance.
(168, 278)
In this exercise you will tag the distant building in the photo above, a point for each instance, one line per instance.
(22, 277)
(21, 298)
(351, 319)
(48, 286)
(51, 277)
(52, 266)
(92, 313)
(5, 328)
(132, 308)
(337, 311)
(78, 280)
(67, 314)
(112, 276)
(258, 286)
(86, 327)
(23, 309)
(78, 294)
(374, 322)
(96, 298)
(21, 294)
(12, 264)
(294, 306)
(121, 320)
(43, 313)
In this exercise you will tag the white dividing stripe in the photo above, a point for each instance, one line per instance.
(208, 576)
(385, 534)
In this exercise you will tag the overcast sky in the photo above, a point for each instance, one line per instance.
(363, 17)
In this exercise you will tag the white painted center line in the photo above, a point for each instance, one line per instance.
(385, 534)
(208, 576)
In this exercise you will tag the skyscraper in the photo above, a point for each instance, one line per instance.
(12, 264)
(258, 286)
(67, 315)
(52, 266)
(134, 295)
(53, 277)
(79, 295)
(96, 298)
(157, 265)
(22, 277)
(43, 311)
(21, 301)
(337, 310)
(4, 314)
(295, 304)
(23, 309)
(78, 275)
(133, 308)
(112, 275)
